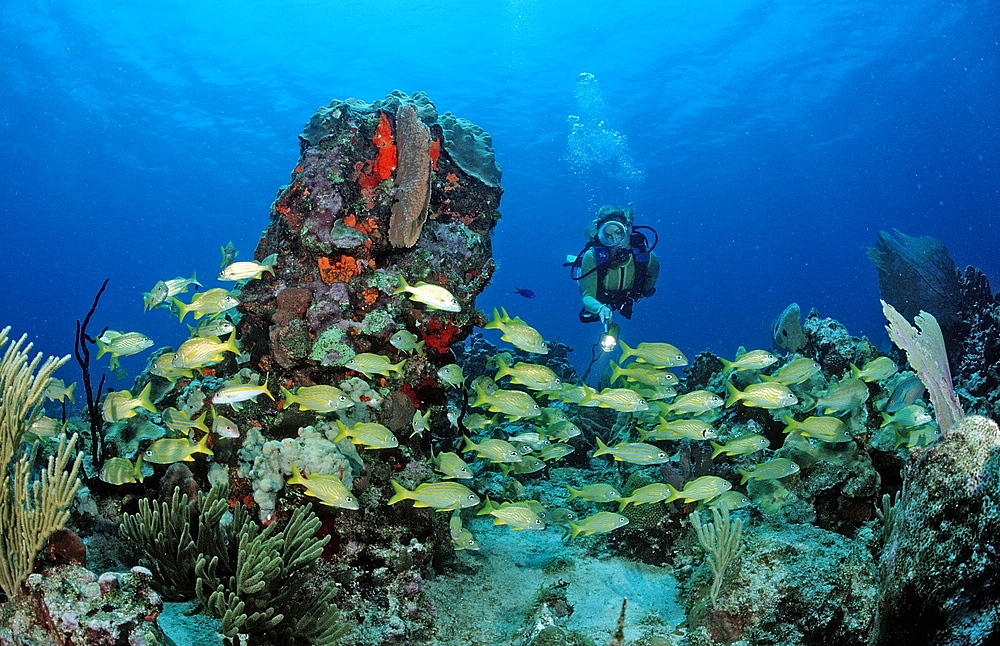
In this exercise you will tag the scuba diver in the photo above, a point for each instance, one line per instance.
(616, 268)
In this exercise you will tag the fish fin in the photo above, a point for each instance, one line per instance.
(144, 401)
(602, 448)
(401, 492)
(343, 432)
(717, 449)
(726, 365)
(626, 351)
(734, 394)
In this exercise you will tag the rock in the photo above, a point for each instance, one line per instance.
(940, 568)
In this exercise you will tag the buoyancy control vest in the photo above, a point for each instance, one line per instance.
(605, 258)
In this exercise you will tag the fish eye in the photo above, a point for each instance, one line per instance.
(472, 496)
(661, 454)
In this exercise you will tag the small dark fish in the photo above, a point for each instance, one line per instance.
(527, 293)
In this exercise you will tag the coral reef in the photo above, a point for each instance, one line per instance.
(257, 581)
(68, 605)
(940, 566)
(793, 584)
(30, 509)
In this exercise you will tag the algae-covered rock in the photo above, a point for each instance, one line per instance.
(940, 567)
(793, 585)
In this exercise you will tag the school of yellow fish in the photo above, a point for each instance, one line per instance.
(510, 399)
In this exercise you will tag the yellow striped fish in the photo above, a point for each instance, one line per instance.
(328, 489)
(663, 355)
(703, 488)
(773, 469)
(369, 434)
(198, 352)
(180, 421)
(442, 496)
(635, 452)
(599, 523)
(248, 269)
(320, 398)
(169, 451)
(213, 301)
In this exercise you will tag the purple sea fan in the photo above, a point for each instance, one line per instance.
(926, 352)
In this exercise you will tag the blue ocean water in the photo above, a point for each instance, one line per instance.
(767, 142)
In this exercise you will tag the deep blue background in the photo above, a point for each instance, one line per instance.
(768, 142)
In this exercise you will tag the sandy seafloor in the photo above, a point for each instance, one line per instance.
(487, 597)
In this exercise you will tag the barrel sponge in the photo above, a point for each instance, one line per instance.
(941, 563)
(471, 148)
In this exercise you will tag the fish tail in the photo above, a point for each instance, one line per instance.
(718, 449)
(182, 309)
(855, 371)
(791, 423)
(296, 477)
(397, 367)
(230, 345)
(573, 493)
(69, 392)
(194, 279)
(626, 351)
(102, 347)
(495, 322)
(674, 494)
(616, 371)
(266, 379)
(270, 263)
(401, 492)
(574, 529)
(488, 507)
(287, 396)
(623, 503)
(726, 365)
(200, 422)
(481, 397)
(202, 445)
(403, 286)
(809, 402)
(144, 401)
(343, 432)
(734, 394)
(503, 370)
(886, 419)
(602, 448)
(469, 445)
(745, 476)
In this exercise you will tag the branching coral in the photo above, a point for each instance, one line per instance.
(30, 510)
(721, 539)
(255, 580)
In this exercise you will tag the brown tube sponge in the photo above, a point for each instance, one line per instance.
(413, 178)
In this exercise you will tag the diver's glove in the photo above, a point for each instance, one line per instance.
(604, 314)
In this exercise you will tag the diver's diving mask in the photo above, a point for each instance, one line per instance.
(613, 234)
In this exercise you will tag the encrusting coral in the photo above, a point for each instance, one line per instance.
(258, 581)
(30, 510)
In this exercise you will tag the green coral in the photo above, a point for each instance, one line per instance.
(256, 580)
(331, 339)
